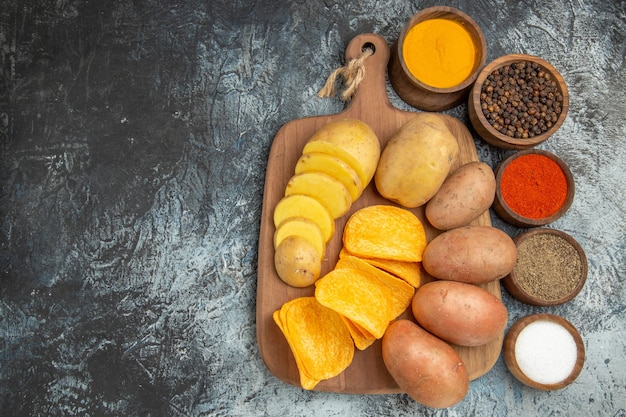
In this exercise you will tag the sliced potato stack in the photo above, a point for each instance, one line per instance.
(336, 165)
(333, 166)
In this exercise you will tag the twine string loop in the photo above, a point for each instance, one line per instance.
(352, 73)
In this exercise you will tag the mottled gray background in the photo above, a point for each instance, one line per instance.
(134, 137)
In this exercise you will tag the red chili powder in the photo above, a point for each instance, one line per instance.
(534, 186)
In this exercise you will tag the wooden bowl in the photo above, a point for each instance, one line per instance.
(529, 273)
(509, 215)
(421, 95)
(487, 131)
(520, 370)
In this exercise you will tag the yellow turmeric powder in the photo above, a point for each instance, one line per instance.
(439, 52)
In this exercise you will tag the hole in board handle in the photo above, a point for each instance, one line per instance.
(368, 45)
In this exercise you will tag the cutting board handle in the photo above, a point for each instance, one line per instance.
(370, 101)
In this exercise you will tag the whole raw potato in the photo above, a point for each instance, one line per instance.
(471, 254)
(416, 161)
(466, 194)
(463, 314)
(428, 369)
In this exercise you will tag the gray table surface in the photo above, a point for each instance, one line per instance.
(134, 138)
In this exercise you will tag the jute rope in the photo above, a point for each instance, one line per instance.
(352, 73)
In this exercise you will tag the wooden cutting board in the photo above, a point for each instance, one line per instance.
(367, 373)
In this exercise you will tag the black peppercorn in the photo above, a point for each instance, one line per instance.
(521, 100)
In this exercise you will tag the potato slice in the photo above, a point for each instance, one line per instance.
(305, 206)
(386, 232)
(333, 166)
(351, 140)
(326, 189)
(337, 151)
(301, 226)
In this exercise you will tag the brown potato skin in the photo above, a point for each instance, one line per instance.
(416, 160)
(297, 262)
(466, 194)
(470, 254)
(459, 313)
(428, 369)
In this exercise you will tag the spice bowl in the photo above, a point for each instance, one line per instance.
(544, 351)
(413, 68)
(533, 188)
(551, 268)
(518, 101)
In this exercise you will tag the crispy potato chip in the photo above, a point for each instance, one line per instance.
(318, 337)
(357, 295)
(411, 272)
(362, 338)
(401, 292)
(305, 379)
(364, 332)
(385, 232)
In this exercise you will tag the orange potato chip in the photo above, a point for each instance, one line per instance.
(385, 232)
(318, 337)
(362, 338)
(411, 272)
(400, 292)
(357, 295)
(305, 379)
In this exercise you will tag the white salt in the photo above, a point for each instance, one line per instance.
(546, 352)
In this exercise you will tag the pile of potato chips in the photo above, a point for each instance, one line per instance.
(318, 338)
(372, 284)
